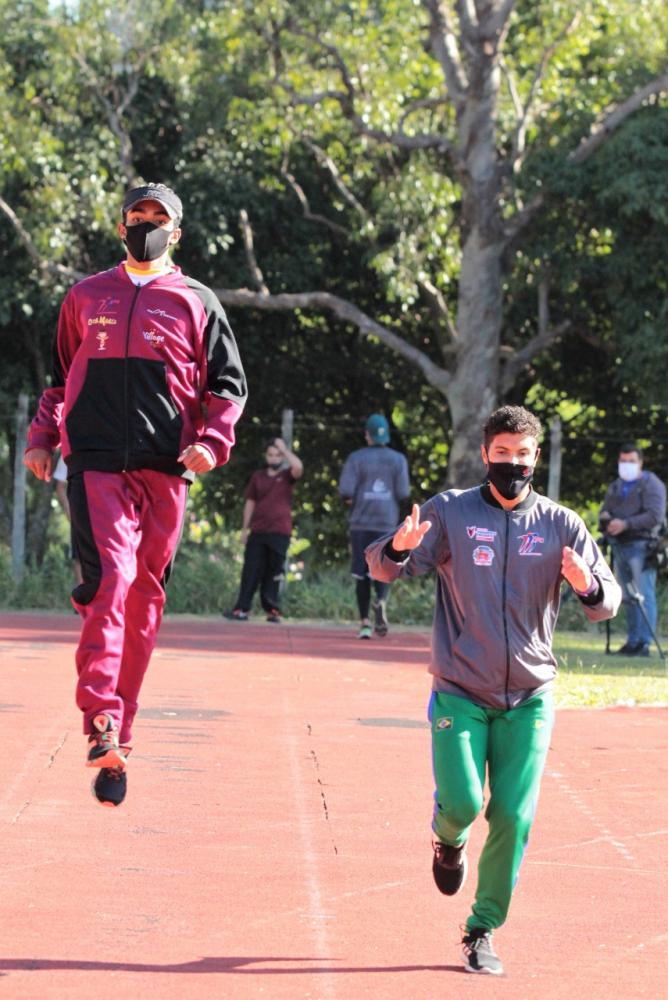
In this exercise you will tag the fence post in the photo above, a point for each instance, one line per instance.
(554, 475)
(19, 508)
(287, 426)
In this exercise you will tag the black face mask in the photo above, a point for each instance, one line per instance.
(274, 465)
(146, 241)
(509, 479)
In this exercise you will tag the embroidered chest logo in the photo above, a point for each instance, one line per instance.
(483, 555)
(102, 339)
(102, 321)
(529, 542)
(160, 312)
(107, 305)
(153, 337)
(480, 534)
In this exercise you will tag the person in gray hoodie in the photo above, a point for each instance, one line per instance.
(374, 481)
(501, 552)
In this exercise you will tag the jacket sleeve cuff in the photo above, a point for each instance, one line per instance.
(391, 553)
(592, 594)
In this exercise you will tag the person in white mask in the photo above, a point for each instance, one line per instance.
(632, 513)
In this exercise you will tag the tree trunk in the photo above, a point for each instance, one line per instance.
(473, 389)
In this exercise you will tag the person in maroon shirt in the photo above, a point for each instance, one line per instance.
(266, 530)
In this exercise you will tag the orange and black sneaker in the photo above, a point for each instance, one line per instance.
(103, 748)
(274, 615)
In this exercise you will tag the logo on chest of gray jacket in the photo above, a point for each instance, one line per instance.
(480, 534)
(528, 543)
(483, 555)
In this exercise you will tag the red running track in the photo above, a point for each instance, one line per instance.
(275, 839)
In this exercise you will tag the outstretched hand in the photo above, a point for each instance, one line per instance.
(409, 535)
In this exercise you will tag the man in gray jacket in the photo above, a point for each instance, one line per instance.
(633, 512)
(501, 552)
(374, 480)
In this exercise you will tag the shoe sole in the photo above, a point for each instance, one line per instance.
(104, 802)
(112, 758)
(482, 972)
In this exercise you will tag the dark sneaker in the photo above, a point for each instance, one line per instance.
(236, 615)
(629, 649)
(640, 650)
(380, 624)
(365, 632)
(104, 750)
(274, 615)
(450, 867)
(110, 786)
(478, 953)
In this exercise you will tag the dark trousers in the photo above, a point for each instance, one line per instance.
(264, 565)
(363, 592)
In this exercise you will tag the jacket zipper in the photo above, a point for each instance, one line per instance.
(126, 409)
(503, 602)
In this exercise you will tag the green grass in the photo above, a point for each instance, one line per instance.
(588, 678)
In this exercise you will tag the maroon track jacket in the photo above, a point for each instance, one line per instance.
(140, 373)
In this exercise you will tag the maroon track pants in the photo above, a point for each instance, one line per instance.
(126, 527)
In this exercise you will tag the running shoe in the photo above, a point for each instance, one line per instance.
(365, 632)
(478, 953)
(104, 750)
(449, 867)
(274, 615)
(236, 615)
(110, 787)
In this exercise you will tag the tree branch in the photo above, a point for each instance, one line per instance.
(546, 336)
(519, 133)
(604, 128)
(345, 311)
(306, 207)
(326, 161)
(253, 265)
(443, 45)
(497, 24)
(347, 100)
(439, 308)
(45, 267)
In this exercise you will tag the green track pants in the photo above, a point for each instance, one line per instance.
(510, 747)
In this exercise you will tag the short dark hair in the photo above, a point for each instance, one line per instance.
(630, 446)
(269, 443)
(511, 420)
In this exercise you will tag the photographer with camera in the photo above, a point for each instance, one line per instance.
(631, 518)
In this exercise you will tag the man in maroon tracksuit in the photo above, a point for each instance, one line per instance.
(146, 389)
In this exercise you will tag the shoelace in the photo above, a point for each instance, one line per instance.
(473, 943)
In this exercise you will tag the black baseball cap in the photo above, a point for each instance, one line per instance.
(169, 200)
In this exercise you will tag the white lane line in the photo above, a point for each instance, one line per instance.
(316, 914)
(660, 872)
(582, 807)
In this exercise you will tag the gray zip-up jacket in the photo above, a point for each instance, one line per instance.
(641, 503)
(498, 590)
